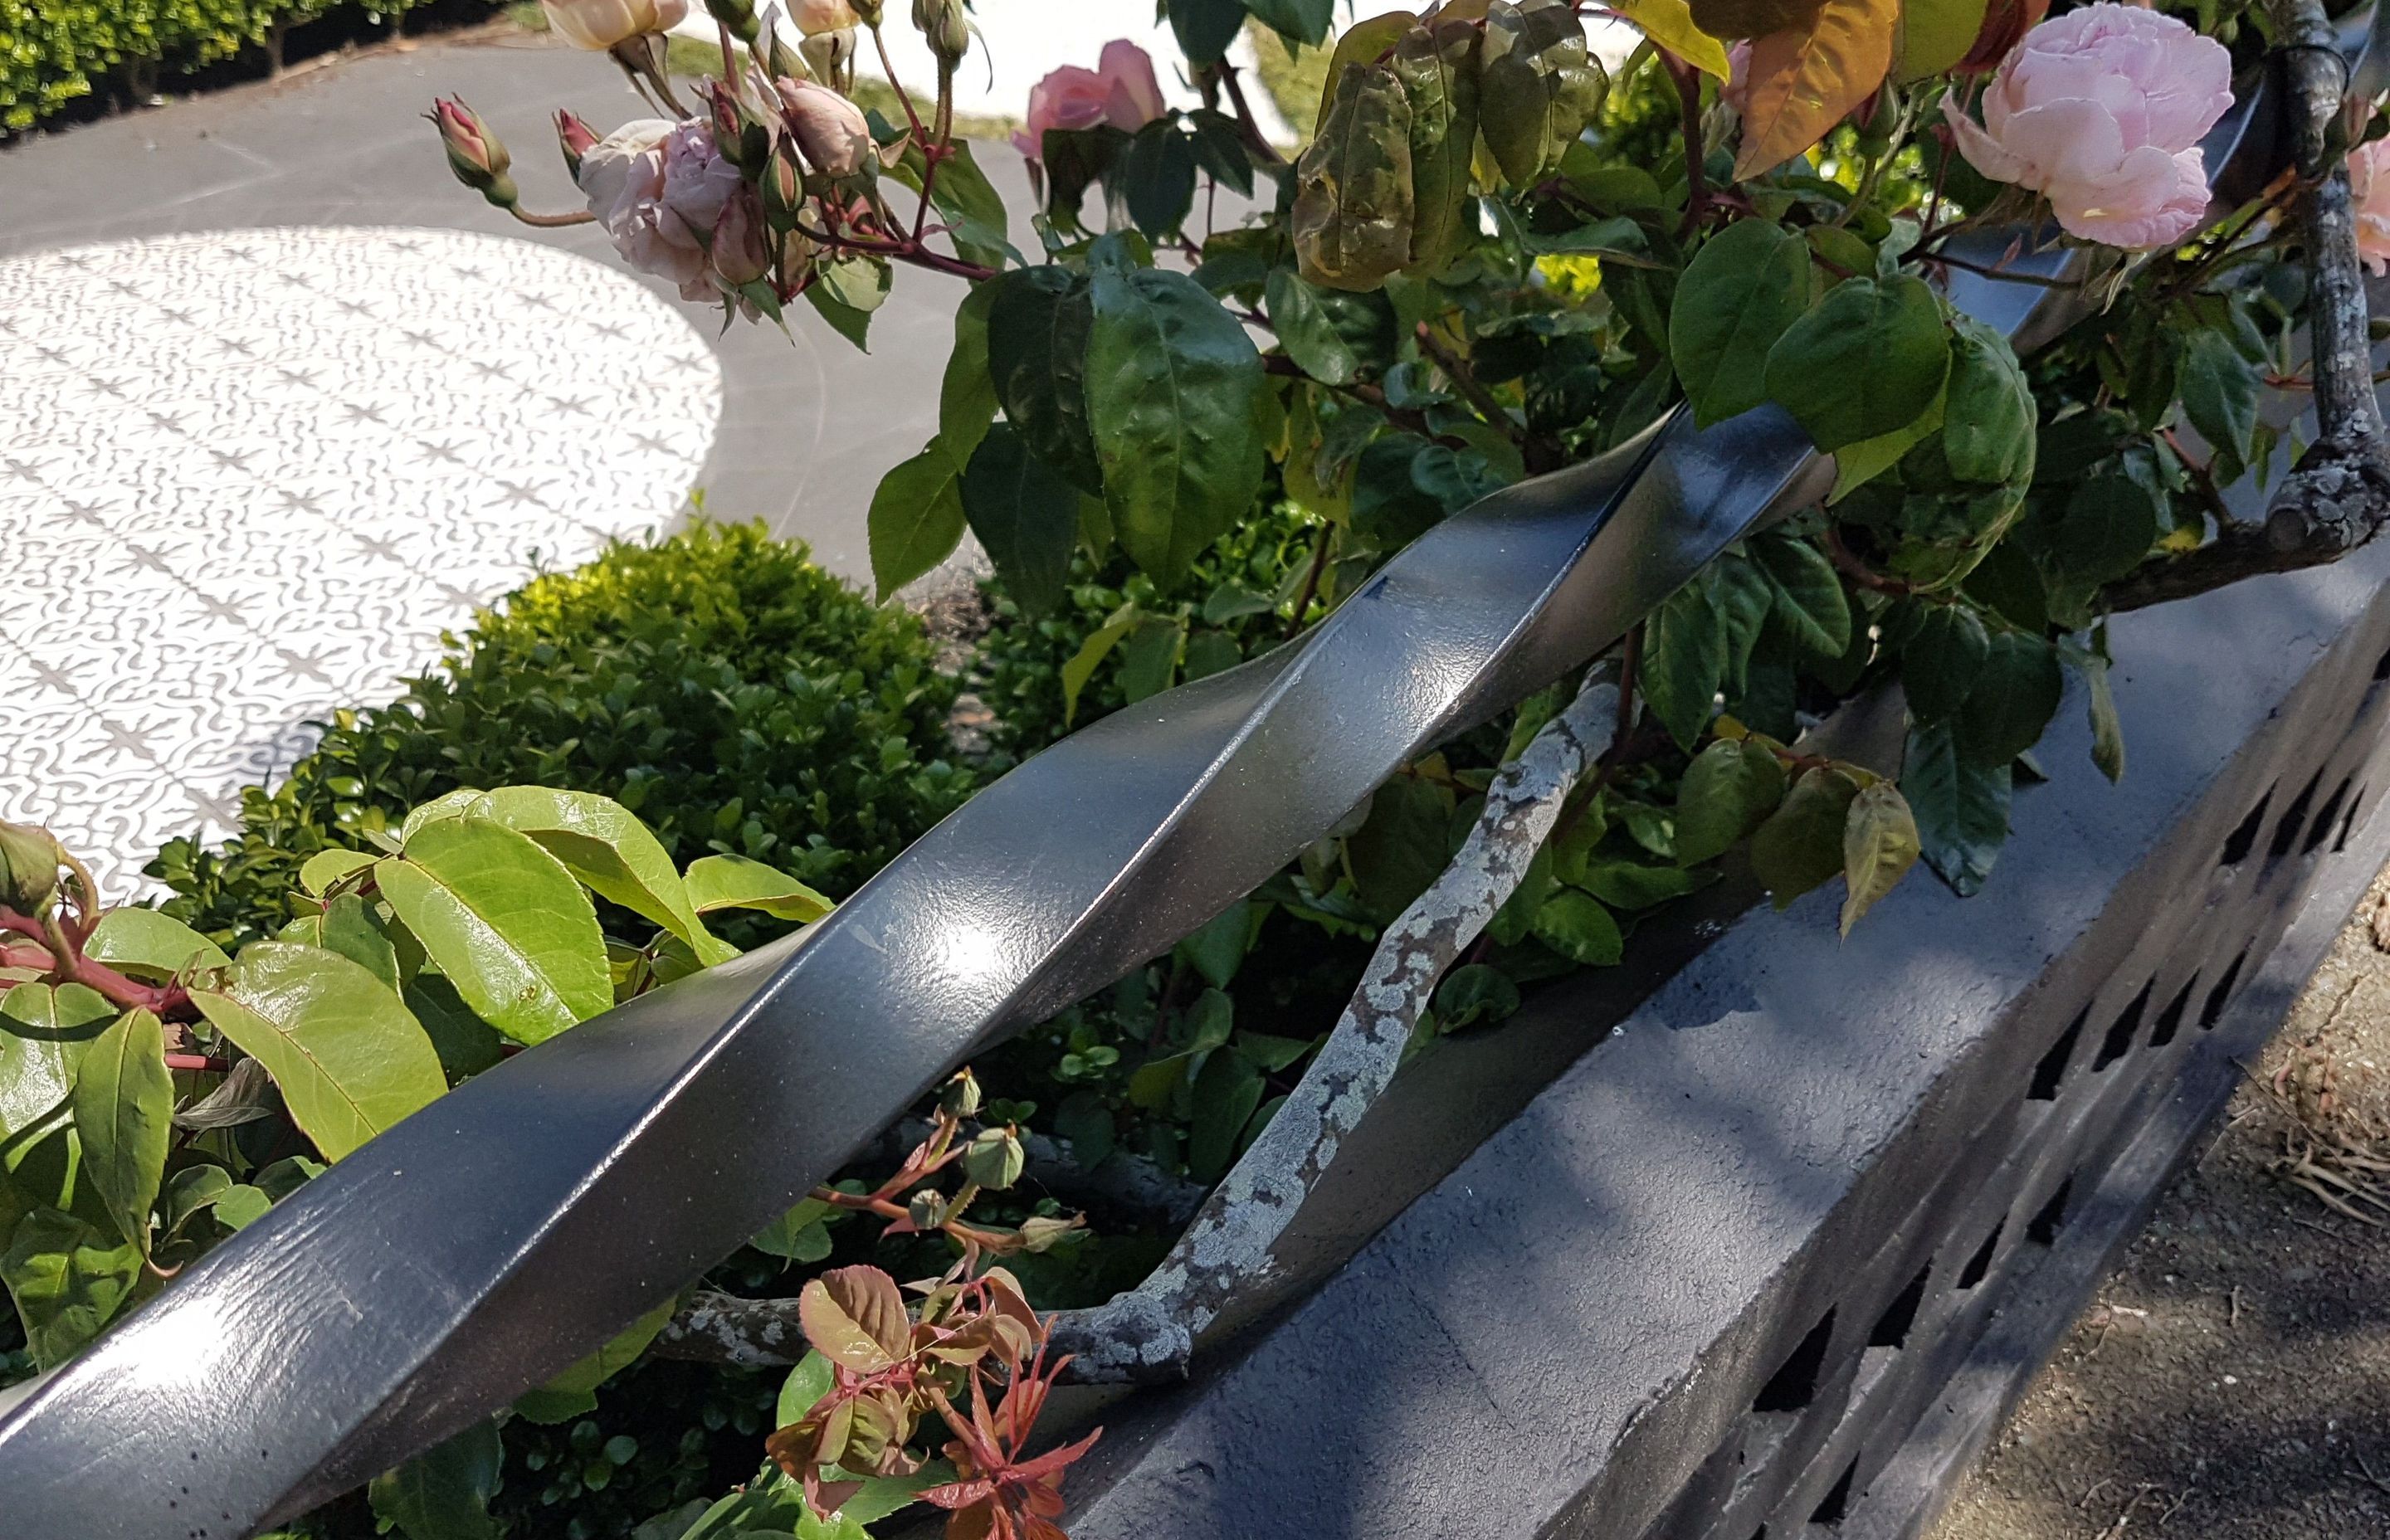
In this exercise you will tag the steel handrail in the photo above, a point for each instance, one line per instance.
(494, 1237)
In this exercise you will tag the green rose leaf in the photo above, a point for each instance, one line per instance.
(350, 1057)
(1878, 846)
(506, 923)
(2219, 391)
(916, 518)
(967, 401)
(443, 1493)
(735, 882)
(575, 1390)
(1539, 86)
(1025, 515)
(125, 1114)
(613, 854)
(149, 944)
(1039, 326)
(1868, 359)
(349, 926)
(1684, 663)
(1304, 20)
(1809, 598)
(1741, 292)
(1989, 414)
(1474, 993)
(1801, 844)
(2110, 523)
(1942, 658)
(1729, 792)
(45, 1032)
(327, 866)
(1437, 65)
(1575, 925)
(1090, 656)
(1353, 207)
(1960, 805)
(67, 1281)
(1227, 1092)
(1173, 384)
(1157, 177)
(2014, 697)
(1205, 28)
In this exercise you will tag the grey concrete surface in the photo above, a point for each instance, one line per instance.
(810, 424)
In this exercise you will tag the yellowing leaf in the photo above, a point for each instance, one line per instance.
(1670, 24)
(1935, 35)
(1878, 846)
(1806, 78)
(855, 1317)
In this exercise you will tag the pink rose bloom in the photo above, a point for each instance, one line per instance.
(830, 131)
(2369, 184)
(1121, 90)
(2102, 111)
(655, 185)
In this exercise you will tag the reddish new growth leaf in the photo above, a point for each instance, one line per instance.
(889, 1366)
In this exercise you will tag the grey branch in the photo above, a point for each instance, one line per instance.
(1149, 1333)
(2338, 495)
(723, 1328)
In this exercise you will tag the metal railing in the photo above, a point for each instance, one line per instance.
(508, 1229)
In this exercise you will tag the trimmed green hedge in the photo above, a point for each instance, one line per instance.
(733, 695)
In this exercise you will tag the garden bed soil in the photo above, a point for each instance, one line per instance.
(2232, 1380)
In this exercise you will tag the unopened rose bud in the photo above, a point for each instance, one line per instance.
(815, 16)
(866, 9)
(737, 15)
(772, 54)
(959, 1098)
(1039, 1233)
(828, 54)
(927, 1209)
(832, 132)
(781, 188)
(948, 31)
(739, 137)
(475, 154)
(575, 138)
(29, 859)
(738, 254)
(994, 1158)
(599, 24)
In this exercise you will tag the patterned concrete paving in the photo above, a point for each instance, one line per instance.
(279, 402)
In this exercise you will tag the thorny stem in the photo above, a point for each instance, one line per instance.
(1456, 370)
(68, 961)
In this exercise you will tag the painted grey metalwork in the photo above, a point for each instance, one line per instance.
(513, 1226)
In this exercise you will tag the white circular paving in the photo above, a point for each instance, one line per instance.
(249, 477)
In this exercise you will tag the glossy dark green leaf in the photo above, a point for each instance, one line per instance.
(1081, 669)
(506, 923)
(1538, 86)
(67, 1281)
(1869, 358)
(1989, 417)
(915, 519)
(1740, 597)
(797, 1235)
(1307, 330)
(1039, 326)
(1353, 207)
(1437, 65)
(721, 881)
(1800, 845)
(967, 399)
(967, 202)
(1227, 1092)
(1474, 993)
(613, 854)
(1172, 387)
(2219, 391)
(1742, 290)
(349, 1056)
(1684, 663)
(1149, 657)
(1304, 20)
(1217, 950)
(1809, 598)
(2014, 697)
(466, 1044)
(124, 1115)
(1401, 847)
(1960, 805)
(443, 1493)
(1728, 791)
(1026, 516)
(1631, 885)
(45, 1030)
(150, 945)
(2110, 525)
(1205, 28)
(1221, 151)
(1575, 925)
(1941, 659)
(351, 927)
(1157, 177)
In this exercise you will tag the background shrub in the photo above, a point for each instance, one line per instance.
(733, 695)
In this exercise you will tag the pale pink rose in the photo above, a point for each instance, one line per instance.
(599, 24)
(655, 187)
(830, 131)
(1121, 91)
(822, 16)
(2101, 110)
(2368, 184)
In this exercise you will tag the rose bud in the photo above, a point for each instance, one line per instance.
(599, 24)
(738, 254)
(737, 15)
(782, 188)
(29, 859)
(575, 138)
(942, 22)
(829, 130)
(816, 16)
(829, 54)
(994, 1158)
(738, 136)
(475, 154)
